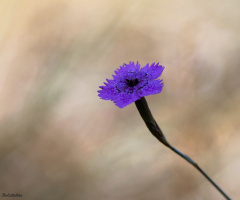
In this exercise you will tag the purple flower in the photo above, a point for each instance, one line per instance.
(131, 83)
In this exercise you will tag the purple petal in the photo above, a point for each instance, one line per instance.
(154, 71)
(153, 87)
(125, 99)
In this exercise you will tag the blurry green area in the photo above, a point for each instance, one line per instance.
(58, 140)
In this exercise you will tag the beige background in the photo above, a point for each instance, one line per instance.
(58, 140)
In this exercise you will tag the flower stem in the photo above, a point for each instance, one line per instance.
(153, 127)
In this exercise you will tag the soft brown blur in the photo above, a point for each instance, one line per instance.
(58, 140)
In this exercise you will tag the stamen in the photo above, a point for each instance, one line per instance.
(132, 83)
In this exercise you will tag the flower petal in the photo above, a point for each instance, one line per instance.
(125, 99)
(154, 71)
(152, 87)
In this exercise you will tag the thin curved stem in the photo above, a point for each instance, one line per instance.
(192, 162)
(153, 127)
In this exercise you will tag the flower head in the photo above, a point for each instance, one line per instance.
(131, 82)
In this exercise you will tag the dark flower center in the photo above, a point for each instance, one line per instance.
(132, 83)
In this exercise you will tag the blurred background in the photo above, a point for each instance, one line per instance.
(58, 140)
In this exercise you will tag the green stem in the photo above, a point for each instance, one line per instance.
(153, 127)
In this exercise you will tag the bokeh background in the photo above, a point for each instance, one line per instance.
(58, 140)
